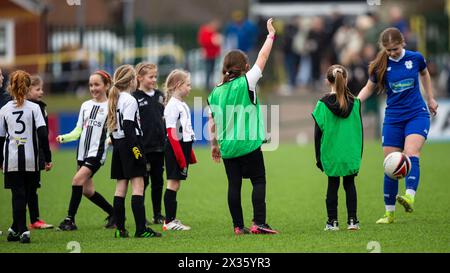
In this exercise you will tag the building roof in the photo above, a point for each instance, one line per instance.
(33, 6)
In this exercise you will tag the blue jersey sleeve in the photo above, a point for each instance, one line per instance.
(421, 61)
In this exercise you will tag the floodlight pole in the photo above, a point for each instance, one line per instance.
(81, 20)
(251, 11)
(128, 13)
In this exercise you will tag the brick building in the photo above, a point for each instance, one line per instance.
(22, 31)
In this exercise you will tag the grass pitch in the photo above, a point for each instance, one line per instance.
(296, 192)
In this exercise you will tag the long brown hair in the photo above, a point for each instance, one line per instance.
(123, 80)
(378, 66)
(19, 85)
(235, 64)
(175, 79)
(142, 69)
(337, 76)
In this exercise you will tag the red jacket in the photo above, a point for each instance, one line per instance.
(205, 39)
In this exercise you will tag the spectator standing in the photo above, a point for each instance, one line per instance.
(210, 41)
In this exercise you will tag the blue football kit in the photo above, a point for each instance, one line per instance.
(406, 113)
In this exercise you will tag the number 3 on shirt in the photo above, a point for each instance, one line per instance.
(19, 115)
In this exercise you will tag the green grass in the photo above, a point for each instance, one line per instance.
(295, 206)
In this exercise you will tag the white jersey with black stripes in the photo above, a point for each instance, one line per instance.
(18, 125)
(92, 120)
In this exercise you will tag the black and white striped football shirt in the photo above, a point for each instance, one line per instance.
(92, 120)
(18, 125)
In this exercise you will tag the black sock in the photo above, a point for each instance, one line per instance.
(332, 197)
(119, 212)
(170, 203)
(19, 204)
(75, 200)
(258, 200)
(33, 204)
(137, 205)
(101, 202)
(350, 194)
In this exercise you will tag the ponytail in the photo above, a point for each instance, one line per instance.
(227, 76)
(124, 78)
(341, 90)
(113, 98)
(378, 69)
(337, 76)
(169, 94)
(19, 86)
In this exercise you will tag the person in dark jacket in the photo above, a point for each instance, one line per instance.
(4, 96)
(35, 95)
(151, 111)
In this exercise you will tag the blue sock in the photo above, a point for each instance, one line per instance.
(390, 191)
(412, 180)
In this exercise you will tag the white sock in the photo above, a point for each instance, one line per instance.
(411, 192)
(390, 208)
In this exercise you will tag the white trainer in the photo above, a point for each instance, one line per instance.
(334, 226)
(175, 225)
(353, 224)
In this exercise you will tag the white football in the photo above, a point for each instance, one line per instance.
(397, 165)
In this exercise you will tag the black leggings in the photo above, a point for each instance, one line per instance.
(332, 196)
(247, 166)
(23, 187)
(20, 197)
(258, 200)
(33, 203)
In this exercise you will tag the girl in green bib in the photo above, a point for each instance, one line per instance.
(338, 143)
(237, 131)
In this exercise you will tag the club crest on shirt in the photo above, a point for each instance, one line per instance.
(409, 64)
(389, 68)
(20, 140)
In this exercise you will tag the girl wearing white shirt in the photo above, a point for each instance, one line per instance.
(91, 152)
(128, 163)
(178, 153)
